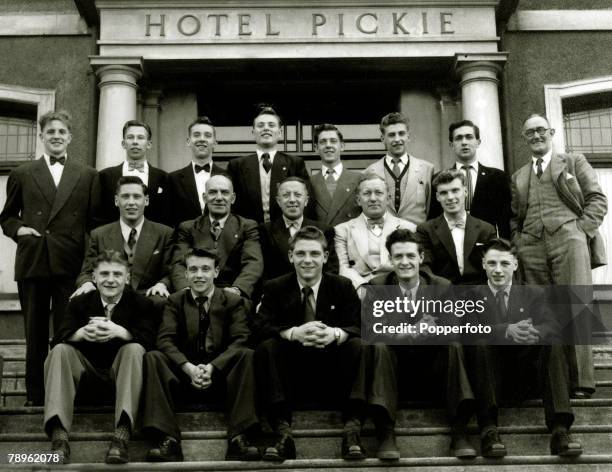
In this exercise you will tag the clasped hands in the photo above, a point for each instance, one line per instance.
(313, 334)
(200, 375)
(523, 332)
(100, 330)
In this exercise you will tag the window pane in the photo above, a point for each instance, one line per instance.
(17, 139)
(589, 131)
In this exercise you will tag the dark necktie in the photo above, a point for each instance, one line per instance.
(539, 170)
(132, 239)
(468, 184)
(215, 229)
(198, 168)
(108, 309)
(396, 168)
(203, 325)
(330, 182)
(309, 312)
(59, 160)
(293, 228)
(136, 165)
(265, 162)
(500, 297)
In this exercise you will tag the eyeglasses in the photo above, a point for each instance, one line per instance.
(530, 133)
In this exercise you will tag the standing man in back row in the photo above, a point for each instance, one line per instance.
(256, 176)
(408, 178)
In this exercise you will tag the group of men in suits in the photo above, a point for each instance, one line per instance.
(210, 237)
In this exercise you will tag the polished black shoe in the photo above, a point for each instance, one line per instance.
(117, 452)
(460, 447)
(282, 450)
(580, 394)
(168, 450)
(61, 447)
(352, 449)
(239, 449)
(387, 447)
(562, 444)
(491, 445)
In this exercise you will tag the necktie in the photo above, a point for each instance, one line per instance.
(265, 162)
(456, 224)
(396, 168)
(500, 298)
(468, 184)
(204, 323)
(198, 168)
(309, 312)
(132, 239)
(330, 182)
(215, 229)
(136, 165)
(539, 167)
(293, 228)
(59, 160)
(376, 225)
(108, 309)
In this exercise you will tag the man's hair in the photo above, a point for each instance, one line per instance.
(201, 252)
(131, 179)
(292, 178)
(110, 256)
(220, 174)
(459, 124)
(141, 124)
(265, 109)
(369, 175)
(325, 127)
(309, 233)
(535, 115)
(60, 115)
(402, 235)
(201, 120)
(447, 176)
(392, 119)
(498, 244)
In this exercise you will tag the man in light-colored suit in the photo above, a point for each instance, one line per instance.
(334, 186)
(146, 244)
(408, 178)
(360, 242)
(557, 207)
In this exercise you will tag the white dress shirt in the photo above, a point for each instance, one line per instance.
(144, 176)
(545, 160)
(458, 235)
(264, 182)
(337, 171)
(56, 169)
(473, 168)
(127, 229)
(288, 222)
(221, 221)
(200, 179)
(402, 163)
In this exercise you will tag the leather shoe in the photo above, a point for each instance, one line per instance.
(117, 452)
(282, 450)
(239, 449)
(491, 445)
(61, 447)
(581, 394)
(562, 444)
(387, 447)
(460, 447)
(352, 449)
(168, 450)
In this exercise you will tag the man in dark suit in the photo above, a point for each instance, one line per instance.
(235, 239)
(48, 211)
(451, 241)
(188, 185)
(104, 336)
(525, 332)
(201, 355)
(488, 189)
(434, 369)
(146, 244)
(292, 197)
(334, 187)
(309, 324)
(136, 142)
(257, 176)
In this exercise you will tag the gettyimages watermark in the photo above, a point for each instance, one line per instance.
(518, 315)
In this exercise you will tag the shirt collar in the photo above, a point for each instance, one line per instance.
(473, 165)
(315, 287)
(47, 158)
(221, 221)
(299, 221)
(260, 153)
(366, 218)
(412, 290)
(126, 166)
(208, 295)
(126, 229)
(495, 290)
(403, 159)
(545, 158)
(107, 303)
(193, 164)
(337, 169)
(462, 216)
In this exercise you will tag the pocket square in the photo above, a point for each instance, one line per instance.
(569, 176)
(480, 244)
(160, 190)
(156, 252)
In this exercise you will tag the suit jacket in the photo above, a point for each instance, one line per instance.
(183, 194)
(415, 200)
(134, 312)
(62, 215)
(440, 253)
(240, 259)
(352, 248)
(342, 206)
(490, 200)
(577, 186)
(152, 254)
(281, 306)
(180, 327)
(157, 210)
(244, 172)
(274, 239)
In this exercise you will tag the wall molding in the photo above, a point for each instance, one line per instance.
(561, 20)
(42, 24)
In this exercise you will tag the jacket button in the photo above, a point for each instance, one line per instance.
(47, 231)
(39, 212)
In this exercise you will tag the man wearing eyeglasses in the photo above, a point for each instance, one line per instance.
(557, 206)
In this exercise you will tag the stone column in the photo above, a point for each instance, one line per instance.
(480, 101)
(118, 78)
(150, 115)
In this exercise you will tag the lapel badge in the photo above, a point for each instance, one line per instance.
(348, 189)
(235, 236)
(521, 310)
(482, 173)
(333, 307)
(160, 190)
(284, 168)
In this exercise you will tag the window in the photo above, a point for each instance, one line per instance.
(587, 123)
(17, 139)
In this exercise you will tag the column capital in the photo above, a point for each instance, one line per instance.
(479, 66)
(117, 70)
(152, 98)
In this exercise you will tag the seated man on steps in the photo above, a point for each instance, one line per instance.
(104, 334)
(201, 356)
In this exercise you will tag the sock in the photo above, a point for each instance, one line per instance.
(352, 425)
(59, 433)
(123, 430)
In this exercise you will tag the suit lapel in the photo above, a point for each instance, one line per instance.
(251, 178)
(557, 167)
(280, 235)
(522, 186)
(412, 183)
(359, 234)
(192, 316)
(472, 228)
(279, 172)
(323, 197)
(390, 225)
(441, 229)
(342, 193)
(216, 312)
(229, 237)
(481, 181)
(113, 238)
(154, 180)
(42, 176)
(143, 251)
(70, 178)
(188, 184)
